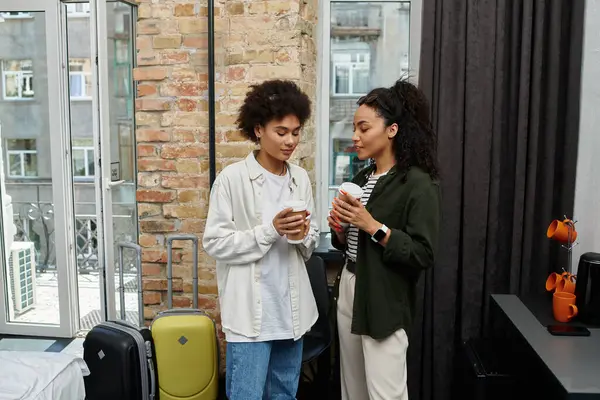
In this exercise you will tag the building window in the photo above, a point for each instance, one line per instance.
(78, 10)
(365, 45)
(350, 73)
(15, 15)
(17, 79)
(83, 158)
(22, 158)
(80, 78)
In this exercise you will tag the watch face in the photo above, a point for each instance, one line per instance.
(379, 235)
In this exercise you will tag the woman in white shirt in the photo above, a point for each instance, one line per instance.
(266, 300)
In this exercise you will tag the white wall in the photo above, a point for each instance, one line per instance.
(587, 186)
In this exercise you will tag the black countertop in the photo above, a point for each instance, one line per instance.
(574, 361)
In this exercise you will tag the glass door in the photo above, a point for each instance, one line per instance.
(37, 287)
(115, 130)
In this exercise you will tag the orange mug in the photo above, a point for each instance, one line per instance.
(559, 230)
(566, 284)
(554, 280)
(563, 306)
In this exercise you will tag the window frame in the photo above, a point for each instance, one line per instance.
(21, 154)
(82, 75)
(325, 90)
(20, 74)
(20, 15)
(87, 157)
(77, 14)
(352, 66)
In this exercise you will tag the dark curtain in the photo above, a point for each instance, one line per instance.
(503, 80)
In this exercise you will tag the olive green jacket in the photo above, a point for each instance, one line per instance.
(409, 203)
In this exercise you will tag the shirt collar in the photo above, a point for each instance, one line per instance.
(257, 171)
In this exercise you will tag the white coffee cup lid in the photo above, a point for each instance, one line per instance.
(295, 205)
(352, 189)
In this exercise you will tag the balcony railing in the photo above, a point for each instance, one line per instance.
(35, 223)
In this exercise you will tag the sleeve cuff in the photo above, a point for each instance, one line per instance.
(398, 247)
(267, 233)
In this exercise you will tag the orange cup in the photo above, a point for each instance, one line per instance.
(552, 281)
(563, 306)
(566, 284)
(559, 230)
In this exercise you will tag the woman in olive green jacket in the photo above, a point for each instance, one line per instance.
(391, 238)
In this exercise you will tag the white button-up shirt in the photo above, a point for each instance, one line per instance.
(237, 239)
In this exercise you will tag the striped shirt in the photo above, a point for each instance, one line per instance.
(352, 234)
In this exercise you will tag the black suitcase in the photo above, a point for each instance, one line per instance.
(120, 355)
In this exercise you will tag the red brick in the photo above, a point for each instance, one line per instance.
(187, 104)
(236, 73)
(146, 150)
(196, 41)
(152, 297)
(143, 42)
(149, 210)
(152, 104)
(148, 27)
(148, 164)
(166, 41)
(185, 135)
(154, 284)
(188, 150)
(151, 269)
(181, 302)
(185, 10)
(174, 57)
(147, 240)
(188, 196)
(192, 225)
(152, 135)
(160, 256)
(180, 89)
(207, 288)
(234, 8)
(183, 182)
(146, 90)
(206, 302)
(149, 73)
(183, 211)
(150, 226)
(155, 196)
(148, 180)
(147, 57)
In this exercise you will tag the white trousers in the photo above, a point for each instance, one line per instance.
(370, 369)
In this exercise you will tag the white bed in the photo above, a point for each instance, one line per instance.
(41, 376)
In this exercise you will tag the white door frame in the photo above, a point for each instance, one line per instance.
(61, 180)
(102, 148)
(101, 123)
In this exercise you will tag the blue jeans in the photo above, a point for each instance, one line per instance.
(263, 370)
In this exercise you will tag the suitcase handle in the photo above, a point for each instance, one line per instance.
(138, 262)
(194, 240)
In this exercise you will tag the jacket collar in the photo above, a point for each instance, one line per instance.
(256, 171)
(366, 172)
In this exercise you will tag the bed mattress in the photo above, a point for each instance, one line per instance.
(41, 376)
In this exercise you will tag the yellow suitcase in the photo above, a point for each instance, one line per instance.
(185, 342)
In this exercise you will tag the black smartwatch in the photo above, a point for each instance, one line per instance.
(380, 234)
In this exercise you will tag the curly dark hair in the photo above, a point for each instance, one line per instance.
(274, 99)
(415, 144)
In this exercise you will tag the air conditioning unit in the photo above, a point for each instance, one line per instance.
(21, 270)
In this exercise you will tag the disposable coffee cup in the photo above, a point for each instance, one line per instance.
(352, 190)
(298, 208)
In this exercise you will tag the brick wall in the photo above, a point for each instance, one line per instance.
(255, 40)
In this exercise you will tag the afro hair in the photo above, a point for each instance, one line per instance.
(272, 100)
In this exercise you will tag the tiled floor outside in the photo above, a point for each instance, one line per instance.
(46, 308)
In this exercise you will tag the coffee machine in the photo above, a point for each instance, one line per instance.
(587, 289)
